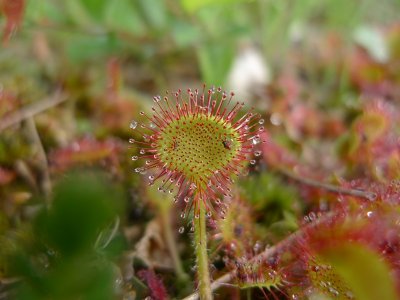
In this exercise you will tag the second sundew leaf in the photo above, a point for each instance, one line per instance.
(325, 279)
(362, 270)
(258, 274)
(237, 228)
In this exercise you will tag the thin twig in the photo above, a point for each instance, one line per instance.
(42, 158)
(31, 110)
(25, 172)
(329, 187)
(171, 244)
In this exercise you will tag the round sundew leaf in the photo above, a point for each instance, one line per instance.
(197, 146)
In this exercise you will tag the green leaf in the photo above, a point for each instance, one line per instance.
(96, 8)
(121, 16)
(184, 33)
(363, 270)
(194, 5)
(78, 14)
(215, 61)
(154, 12)
(82, 206)
(37, 11)
(95, 47)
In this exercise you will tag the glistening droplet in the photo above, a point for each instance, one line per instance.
(133, 124)
(256, 140)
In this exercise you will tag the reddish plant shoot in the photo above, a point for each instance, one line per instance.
(13, 11)
(155, 284)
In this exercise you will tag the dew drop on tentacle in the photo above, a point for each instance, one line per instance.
(146, 138)
(372, 196)
(133, 124)
(134, 157)
(181, 229)
(257, 247)
(256, 140)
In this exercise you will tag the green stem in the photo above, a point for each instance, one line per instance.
(200, 238)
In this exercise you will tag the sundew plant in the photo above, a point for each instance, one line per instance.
(197, 144)
(267, 168)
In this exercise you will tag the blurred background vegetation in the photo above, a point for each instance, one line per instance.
(76, 222)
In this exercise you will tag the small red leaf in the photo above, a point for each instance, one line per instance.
(6, 176)
(155, 284)
(85, 151)
(13, 11)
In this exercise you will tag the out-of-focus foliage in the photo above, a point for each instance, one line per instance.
(61, 256)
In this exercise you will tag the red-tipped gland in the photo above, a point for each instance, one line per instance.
(194, 146)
